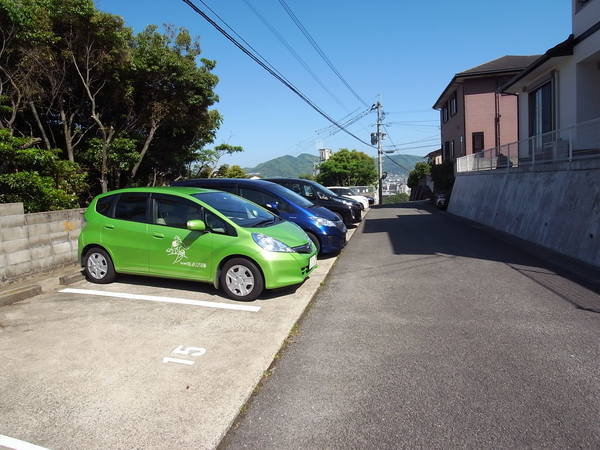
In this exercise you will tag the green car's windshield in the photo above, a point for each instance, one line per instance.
(240, 211)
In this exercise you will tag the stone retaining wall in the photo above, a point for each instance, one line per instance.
(555, 206)
(36, 242)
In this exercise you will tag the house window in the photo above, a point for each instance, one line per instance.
(478, 141)
(541, 110)
(446, 151)
(445, 112)
(452, 155)
(453, 105)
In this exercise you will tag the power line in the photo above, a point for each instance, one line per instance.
(407, 111)
(293, 52)
(340, 120)
(397, 163)
(415, 121)
(407, 124)
(414, 148)
(266, 65)
(418, 141)
(320, 51)
(331, 130)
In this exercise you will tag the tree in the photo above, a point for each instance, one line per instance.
(99, 53)
(168, 84)
(226, 171)
(206, 160)
(347, 168)
(37, 177)
(128, 108)
(421, 169)
(23, 32)
(306, 176)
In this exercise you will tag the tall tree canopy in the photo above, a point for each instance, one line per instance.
(347, 168)
(123, 108)
(420, 171)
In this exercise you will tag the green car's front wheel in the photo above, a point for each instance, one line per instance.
(241, 279)
(98, 266)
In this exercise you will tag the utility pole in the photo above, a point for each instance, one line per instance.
(376, 138)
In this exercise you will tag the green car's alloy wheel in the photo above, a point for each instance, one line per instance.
(241, 279)
(98, 266)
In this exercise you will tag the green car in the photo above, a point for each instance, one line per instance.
(193, 234)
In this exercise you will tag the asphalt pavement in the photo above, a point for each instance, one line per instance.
(432, 333)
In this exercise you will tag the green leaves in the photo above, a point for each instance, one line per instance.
(226, 171)
(37, 177)
(130, 108)
(421, 169)
(347, 168)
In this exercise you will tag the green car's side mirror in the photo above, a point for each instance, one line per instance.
(196, 225)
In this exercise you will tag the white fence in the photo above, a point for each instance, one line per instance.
(579, 141)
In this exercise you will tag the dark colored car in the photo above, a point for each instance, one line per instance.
(323, 227)
(347, 209)
(440, 200)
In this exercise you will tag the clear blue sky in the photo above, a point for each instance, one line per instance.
(403, 51)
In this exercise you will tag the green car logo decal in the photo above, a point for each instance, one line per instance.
(179, 250)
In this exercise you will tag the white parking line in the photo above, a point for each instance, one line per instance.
(155, 298)
(16, 444)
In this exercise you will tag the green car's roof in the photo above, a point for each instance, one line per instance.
(177, 190)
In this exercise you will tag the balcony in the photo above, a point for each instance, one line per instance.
(577, 142)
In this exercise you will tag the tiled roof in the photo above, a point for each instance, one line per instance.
(503, 64)
(506, 65)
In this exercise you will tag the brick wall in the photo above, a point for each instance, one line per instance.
(36, 242)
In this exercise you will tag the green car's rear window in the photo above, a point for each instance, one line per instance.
(103, 205)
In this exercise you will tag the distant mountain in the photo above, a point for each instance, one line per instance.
(293, 166)
(402, 164)
(285, 166)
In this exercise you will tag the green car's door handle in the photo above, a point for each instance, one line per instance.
(158, 235)
(110, 227)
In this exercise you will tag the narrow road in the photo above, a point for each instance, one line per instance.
(431, 333)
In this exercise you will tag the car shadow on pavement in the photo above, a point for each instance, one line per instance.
(198, 286)
(451, 237)
(168, 283)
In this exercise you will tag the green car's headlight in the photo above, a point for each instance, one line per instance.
(322, 222)
(270, 244)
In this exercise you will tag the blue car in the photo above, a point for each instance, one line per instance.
(325, 229)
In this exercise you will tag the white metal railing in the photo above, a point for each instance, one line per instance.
(579, 141)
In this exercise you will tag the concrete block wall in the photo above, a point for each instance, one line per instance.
(556, 207)
(36, 242)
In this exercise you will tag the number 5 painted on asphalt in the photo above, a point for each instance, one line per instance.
(189, 351)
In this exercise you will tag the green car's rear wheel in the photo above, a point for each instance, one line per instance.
(98, 266)
(241, 279)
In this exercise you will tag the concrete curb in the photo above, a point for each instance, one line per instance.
(281, 346)
(70, 278)
(15, 295)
